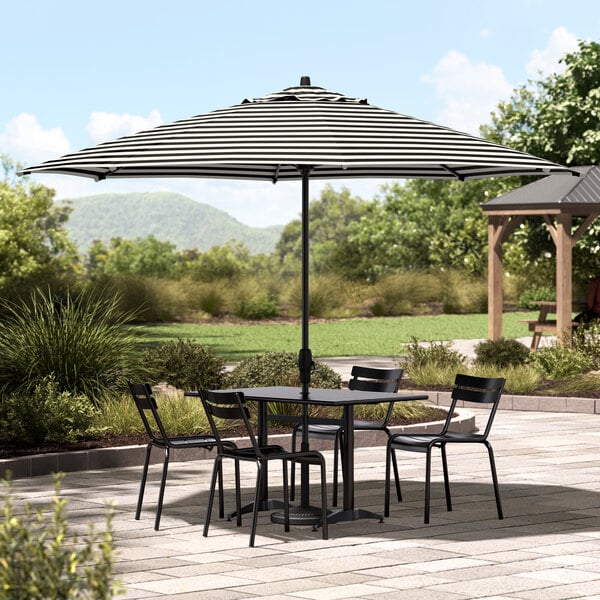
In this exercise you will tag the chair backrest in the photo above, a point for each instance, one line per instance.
(228, 406)
(369, 379)
(147, 406)
(482, 390)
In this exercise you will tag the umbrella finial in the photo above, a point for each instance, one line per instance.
(305, 80)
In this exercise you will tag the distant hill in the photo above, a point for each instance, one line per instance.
(167, 216)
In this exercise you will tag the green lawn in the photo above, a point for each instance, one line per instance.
(348, 337)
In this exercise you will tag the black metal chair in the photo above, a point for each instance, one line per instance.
(469, 389)
(148, 409)
(227, 405)
(366, 379)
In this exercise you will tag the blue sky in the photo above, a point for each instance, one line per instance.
(75, 73)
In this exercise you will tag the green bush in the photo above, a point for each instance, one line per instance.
(438, 354)
(462, 295)
(537, 293)
(183, 364)
(279, 368)
(252, 300)
(180, 415)
(41, 559)
(558, 362)
(587, 341)
(81, 341)
(404, 293)
(501, 353)
(46, 415)
(148, 299)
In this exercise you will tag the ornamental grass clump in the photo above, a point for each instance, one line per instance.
(79, 340)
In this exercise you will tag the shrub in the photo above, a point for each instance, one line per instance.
(279, 368)
(558, 362)
(253, 301)
(41, 559)
(536, 293)
(401, 294)
(180, 415)
(79, 340)
(183, 364)
(326, 295)
(587, 341)
(501, 353)
(438, 354)
(463, 295)
(46, 415)
(520, 379)
(147, 299)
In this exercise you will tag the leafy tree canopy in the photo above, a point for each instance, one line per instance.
(32, 238)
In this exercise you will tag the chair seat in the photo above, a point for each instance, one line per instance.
(369, 425)
(319, 431)
(249, 453)
(191, 441)
(424, 439)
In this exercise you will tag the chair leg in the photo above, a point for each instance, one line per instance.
(324, 501)
(427, 485)
(221, 498)
(396, 477)
(238, 495)
(259, 480)
(293, 468)
(217, 467)
(161, 493)
(286, 495)
(138, 511)
(495, 480)
(336, 454)
(389, 452)
(446, 478)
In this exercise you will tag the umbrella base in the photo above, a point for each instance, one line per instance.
(300, 515)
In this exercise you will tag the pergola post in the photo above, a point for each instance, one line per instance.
(495, 296)
(564, 278)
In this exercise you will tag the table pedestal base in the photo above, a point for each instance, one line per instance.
(264, 505)
(300, 515)
(355, 514)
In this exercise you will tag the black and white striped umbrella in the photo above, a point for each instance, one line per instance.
(268, 138)
(304, 132)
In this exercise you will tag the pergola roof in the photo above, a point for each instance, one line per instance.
(575, 195)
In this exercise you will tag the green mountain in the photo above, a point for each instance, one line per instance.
(167, 216)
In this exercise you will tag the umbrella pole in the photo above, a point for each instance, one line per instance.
(305, 361)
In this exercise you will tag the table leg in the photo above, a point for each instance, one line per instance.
(349, 513)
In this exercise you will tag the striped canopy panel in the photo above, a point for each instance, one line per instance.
(269, 138)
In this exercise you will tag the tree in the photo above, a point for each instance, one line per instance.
(329, 219)
(557, 118)
(33, 241)
(147, 256)
(422, 224)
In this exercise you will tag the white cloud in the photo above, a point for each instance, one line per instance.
(104, 126)
(545, 62)
(470, 91)
(24, 140)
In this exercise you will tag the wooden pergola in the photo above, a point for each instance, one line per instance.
(558, 199)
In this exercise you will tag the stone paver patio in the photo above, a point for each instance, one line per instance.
(548, 545)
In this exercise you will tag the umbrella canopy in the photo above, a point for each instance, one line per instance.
(268, 138)
(300, 133)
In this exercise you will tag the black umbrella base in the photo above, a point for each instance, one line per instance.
(300, 515)
(312, 515)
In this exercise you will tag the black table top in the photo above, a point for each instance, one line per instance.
(321, 396)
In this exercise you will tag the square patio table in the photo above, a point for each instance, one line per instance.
(347, 399)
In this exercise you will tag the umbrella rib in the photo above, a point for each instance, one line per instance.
(453, 172)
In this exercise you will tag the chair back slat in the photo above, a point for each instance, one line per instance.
(369, 379)
(228, 406)
(148, 410)
(482, 390)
